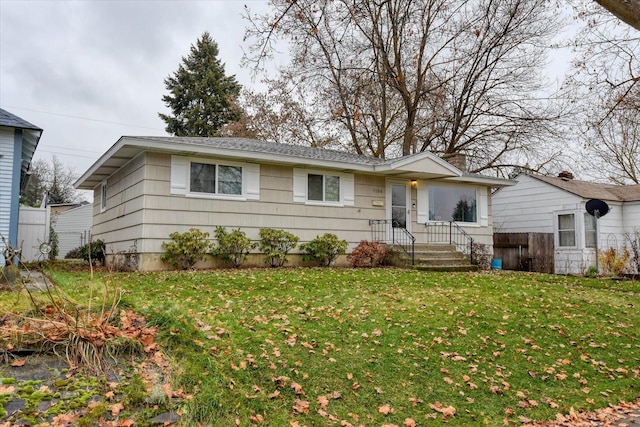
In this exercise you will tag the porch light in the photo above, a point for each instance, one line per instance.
(414, 183)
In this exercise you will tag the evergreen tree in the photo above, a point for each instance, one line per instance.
(201, 97)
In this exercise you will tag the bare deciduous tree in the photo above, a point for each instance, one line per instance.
(607, 83)
(54, 179)
(402, 76)
(279, 115)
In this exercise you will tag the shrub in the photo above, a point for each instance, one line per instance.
(53, 240)
(592, 272)
(276, 244)
(614, 262)
(73, 253)
(324, 249)
(186, 249)
(481, 255)
(634, 243)
(232, 247)
(95, 249)
(368, 254)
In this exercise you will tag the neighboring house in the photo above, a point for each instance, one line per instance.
(18, 142)
(148, 187)
(543, 204)
(72, 224)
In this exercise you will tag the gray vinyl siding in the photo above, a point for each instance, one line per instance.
(142, 210)
(165, 213)
(6, 179)
(121, 223)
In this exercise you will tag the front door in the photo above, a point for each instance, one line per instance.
(400, 205)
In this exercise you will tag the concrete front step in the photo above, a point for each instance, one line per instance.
(438, 257)
(453, 268)
(441, 261)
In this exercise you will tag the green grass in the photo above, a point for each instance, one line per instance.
(494, 346)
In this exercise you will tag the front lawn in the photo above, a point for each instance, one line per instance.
(322, 347)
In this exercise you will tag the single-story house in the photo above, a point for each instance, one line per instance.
(148, 187)
(545, 204)
(18, 142)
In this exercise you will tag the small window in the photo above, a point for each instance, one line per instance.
(215, 179)
(103, 196)
(323, 188)
(589, 231)
(452, 204)
(566, 230)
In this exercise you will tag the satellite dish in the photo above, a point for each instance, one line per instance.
(597, 208)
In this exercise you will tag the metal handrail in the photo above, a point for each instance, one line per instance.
(450, 232)
(399, 235)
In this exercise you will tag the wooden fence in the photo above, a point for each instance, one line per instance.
(525, 251)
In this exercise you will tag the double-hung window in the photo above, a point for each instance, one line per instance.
(589, 231)
(323, 188)
(566, 230)
(212, 178)
(319, 187)
(103, 196)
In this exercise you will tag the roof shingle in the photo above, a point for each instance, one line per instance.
(592, 190)
(11, 120)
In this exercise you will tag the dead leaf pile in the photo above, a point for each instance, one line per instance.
(626, 413)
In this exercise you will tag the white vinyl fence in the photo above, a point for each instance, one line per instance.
(33, 230)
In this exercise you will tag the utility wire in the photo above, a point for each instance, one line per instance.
(80, 118)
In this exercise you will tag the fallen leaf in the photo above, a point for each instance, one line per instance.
(18, 363)
(385, 409)
(7, 389)
(297, 388)
(409, 422)
(274, 395)
(256, 419)
(116, 408)
(301, 406)
(323, 402)
(447, 411)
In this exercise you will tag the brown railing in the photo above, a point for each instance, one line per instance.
(380, 228)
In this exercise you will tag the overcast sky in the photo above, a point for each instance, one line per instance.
(88, 72)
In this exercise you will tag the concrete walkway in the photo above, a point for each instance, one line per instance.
(35, 280)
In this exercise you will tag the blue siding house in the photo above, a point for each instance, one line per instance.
(18, 142)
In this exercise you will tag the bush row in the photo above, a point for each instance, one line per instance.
(186, 249)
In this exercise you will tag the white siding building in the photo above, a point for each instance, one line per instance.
(557, 205)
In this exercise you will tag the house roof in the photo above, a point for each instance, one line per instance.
(30, 136)
(417, 166)
(11, 120)
(592, 190)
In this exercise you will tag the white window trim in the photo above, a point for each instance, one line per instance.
(103, 196)
(301, 181)
(181, 178)
(482, 216)
(576, 229)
